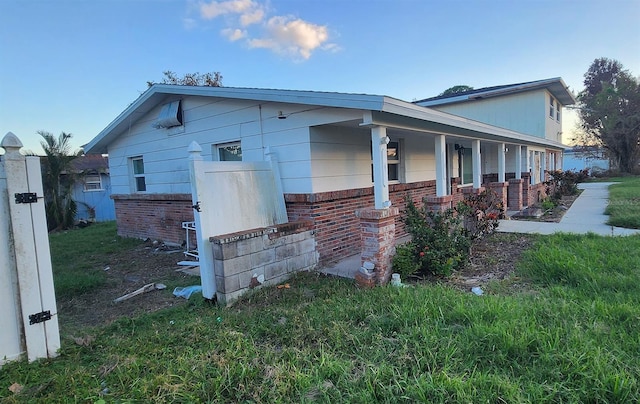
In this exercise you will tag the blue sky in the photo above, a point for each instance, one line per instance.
(73, 66)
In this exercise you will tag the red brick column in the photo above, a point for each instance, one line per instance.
(472, 191)
(378, 234)
(438, 203)
(514, 198)
(500, 188)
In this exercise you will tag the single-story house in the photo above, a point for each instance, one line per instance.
(579, 158)
(92, 192)
(337, 152)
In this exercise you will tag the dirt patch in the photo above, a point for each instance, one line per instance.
(128, 271)
(539, 214)
(492, 258)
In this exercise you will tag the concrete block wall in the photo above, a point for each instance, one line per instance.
(265, 256)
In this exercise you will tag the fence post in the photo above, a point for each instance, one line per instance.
(31, 247)
(11, 338)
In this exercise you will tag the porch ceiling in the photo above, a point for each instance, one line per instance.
(458, 128)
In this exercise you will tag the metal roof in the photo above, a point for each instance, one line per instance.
(418, 117)
(555, 86)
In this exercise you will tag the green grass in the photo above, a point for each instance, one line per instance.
(624, 203)
(571, 337)
(79, 257)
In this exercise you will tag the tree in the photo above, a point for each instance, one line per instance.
(58, 180)
(609, 109)
(213, 79)
(455, 90)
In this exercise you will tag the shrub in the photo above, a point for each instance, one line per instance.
(440, 242)
(481, 213)
(563, 183)
(548, 204)
(404, 261)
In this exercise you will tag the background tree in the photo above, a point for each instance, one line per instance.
(455, 90)
(213, 79)
(58, 180)
(609, 109)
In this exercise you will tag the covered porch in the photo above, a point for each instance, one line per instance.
(468, 158)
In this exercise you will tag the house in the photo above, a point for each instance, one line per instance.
(338, 153)
(592, 158)
(92, 192)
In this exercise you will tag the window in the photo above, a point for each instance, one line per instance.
(393, 162)
(229, 152)
(137, 164)
(465, 165)
(92, 182)
(558, 111)
(552, 108)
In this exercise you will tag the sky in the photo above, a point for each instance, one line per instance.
(74, 66)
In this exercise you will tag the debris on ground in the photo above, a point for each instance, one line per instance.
(146, 288)
(186, 291)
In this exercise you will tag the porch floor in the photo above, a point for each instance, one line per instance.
(347, 267)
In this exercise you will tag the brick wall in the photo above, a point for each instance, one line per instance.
(337, 230)
(157, 216)
(333, 214)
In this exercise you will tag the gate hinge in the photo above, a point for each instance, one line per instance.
(39, 317)
(26, 197)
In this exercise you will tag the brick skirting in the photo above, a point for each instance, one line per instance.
(332, 214)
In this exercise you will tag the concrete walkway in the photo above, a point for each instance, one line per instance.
(586, 215)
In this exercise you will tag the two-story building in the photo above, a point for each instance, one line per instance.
(337, 152)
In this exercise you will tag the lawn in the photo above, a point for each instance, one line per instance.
(624, 203)
(564, 328)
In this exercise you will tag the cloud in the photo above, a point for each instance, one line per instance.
(284, 35)
(250, 11)
(291, 36)
(234, 34)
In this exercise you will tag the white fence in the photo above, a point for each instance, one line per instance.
(28, 320)
(231, 197)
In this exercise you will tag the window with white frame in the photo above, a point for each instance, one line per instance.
(227, 152)
(552, 108)
(558, 111)
(139, 180)
(394, 161)
(92, 182)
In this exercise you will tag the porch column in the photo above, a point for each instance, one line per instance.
(441, 168)
(543, 165)
(379, 142)
(561, 160)
(378, 234)
(477, 164)
(501, 162)
(518, 162)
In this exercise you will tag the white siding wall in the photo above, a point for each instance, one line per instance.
(210, 122)
(342, 158)
(526, 113)
(420, 158)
